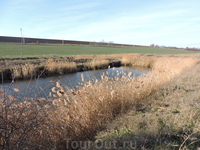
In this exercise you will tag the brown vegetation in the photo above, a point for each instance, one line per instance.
(60, 67)
(167, 119)
(47, 68)
(27, 69)
(79, 114)
(97, 64)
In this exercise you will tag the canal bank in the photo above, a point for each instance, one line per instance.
(30, 70)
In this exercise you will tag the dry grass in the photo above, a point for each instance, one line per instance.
(97, 63)
(20, 123)
(138, 60)
(116, 56)
(169, 118)
(15, 68)
(60, 67)
(79, 114)
(45, 68)
(24, 71)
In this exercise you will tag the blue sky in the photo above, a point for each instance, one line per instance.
(169, 22)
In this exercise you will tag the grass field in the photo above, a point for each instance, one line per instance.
(10, 50)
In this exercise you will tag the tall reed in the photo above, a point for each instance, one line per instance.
(97, 63)
(99, 101)
(138, 60)
(79, 114)
(60, 67)
(24, 71)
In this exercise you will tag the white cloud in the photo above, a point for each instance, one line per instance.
(124, 27)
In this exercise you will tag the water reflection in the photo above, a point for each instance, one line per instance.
(42, 86)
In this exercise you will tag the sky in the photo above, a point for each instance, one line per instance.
(164, 23)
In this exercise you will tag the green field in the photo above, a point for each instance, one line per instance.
(10, 50)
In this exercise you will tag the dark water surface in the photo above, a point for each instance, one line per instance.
(42, 86)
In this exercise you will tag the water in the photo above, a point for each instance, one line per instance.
(42, 86)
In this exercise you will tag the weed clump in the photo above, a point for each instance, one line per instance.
(97, 64)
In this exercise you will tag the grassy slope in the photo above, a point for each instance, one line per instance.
(7, 50)
(170, 119)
